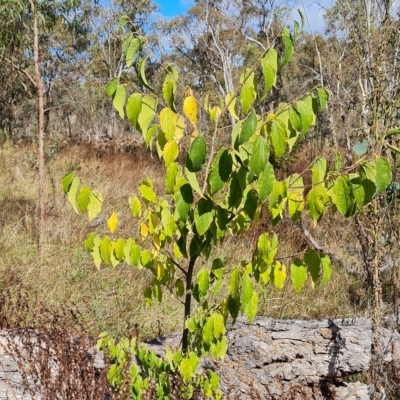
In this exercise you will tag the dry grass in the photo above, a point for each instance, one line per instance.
(112, 299)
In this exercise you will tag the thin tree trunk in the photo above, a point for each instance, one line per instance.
(39, 86)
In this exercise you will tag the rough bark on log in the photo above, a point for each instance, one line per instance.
(290, 359)
(285, 359)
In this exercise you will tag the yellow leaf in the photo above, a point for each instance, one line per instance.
(171, 151)
(144, 230)
(279, 275)
(160, 270)
(230, 102)
(112, 222)
(190, 109)
(179, 128)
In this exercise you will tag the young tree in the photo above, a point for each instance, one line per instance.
(218, 190)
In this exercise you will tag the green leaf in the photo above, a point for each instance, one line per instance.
(323, 96)
(83, 198)
(119, 247)
(277, 201)
(234, 281)
(219, 325)
(106, 250)
(338, 161)
(278, 133)
(169, 86)
(203, 280)
(235, 191)
(220, 171)
(197, 153)
(295, 193)
(357, 189)
(66, 181)
(249, 127)
(179, 287)
(133, 108)
(267, 248)
(148, 296)
(311, 258)
(119, 100)
(186, 370)
(269, 65)
(134, 254)
(146, 116)
(307, 115)
(367, 172)
(208, 330)
(319, 170)
(191, 177)
(252, 307)
(259, 157)
(383, 174)
(89, 242)
(134, 46)
(295, 119)
(204, 215)
(250, 205)
(183, 200)
(298, 274)
(171, 176)
(247, 292)
(142, 72)
(342, 196)
(288, 45)
(317, 200)
(191, 323)
(147, 191)
(326, 269)
(266, 183)
(135, 205)
(72, 193)
(111, 87)
(248, 92)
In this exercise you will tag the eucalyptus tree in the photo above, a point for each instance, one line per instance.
(26, 33)
(365, 86)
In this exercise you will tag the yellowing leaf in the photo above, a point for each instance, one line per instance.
(144, 230)
(279, 275)
(179, 128)
(156, 241)
(112, 222)
(171, 151)
(230, 102)
(95, 203)
(190, 109)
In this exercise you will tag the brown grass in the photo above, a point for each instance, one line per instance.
(112, 299)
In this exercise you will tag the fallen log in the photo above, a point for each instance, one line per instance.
(292, 359)
(285, 359)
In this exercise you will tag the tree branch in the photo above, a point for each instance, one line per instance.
(20, 70)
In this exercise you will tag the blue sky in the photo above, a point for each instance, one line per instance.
(313, 8)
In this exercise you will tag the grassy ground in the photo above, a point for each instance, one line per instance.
(112, 299)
